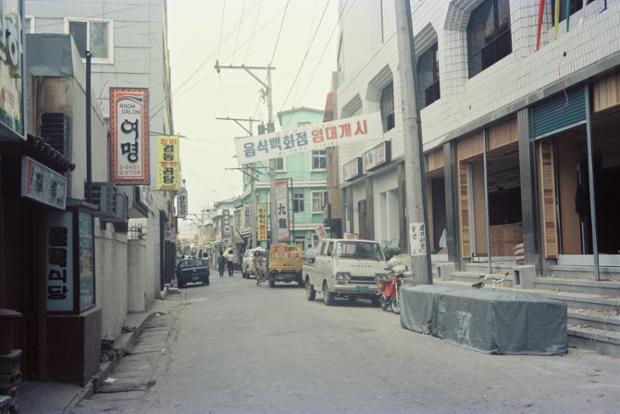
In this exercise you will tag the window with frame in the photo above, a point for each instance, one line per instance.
(428, 76)
(92, 35)
(574, 6)
(276, 164)
(319, 199)
(387, 107)
(298, 202)
(319, 160)
(488, 35)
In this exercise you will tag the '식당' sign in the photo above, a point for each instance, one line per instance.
(308, 138)
(129, 125)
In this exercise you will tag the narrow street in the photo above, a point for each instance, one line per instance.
(232, 347)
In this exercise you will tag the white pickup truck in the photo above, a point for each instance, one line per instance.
(344, 268)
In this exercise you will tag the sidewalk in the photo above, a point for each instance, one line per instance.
(53, 397)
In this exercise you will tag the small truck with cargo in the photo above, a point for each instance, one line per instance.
(285, 264)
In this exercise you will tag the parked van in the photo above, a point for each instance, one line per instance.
(345, 268)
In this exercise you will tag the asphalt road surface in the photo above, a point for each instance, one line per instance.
(233, 347)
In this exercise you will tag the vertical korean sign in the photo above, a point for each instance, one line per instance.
(182, 203)
(129, 142)
(261, 222)
(168, 165)
(59, 263)
(12, 83)
(281, 200)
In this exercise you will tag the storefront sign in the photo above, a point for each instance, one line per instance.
(129, 136)
(182, 203)
(86, 251)
(320, 231)
(168, 163)
(352, 169)
(11, 71)
(261, 221)
(59, 261)
(280, 144)
(350, 236)
(377, 156)
(226, 227)
(417, 239)
(247, 219)
(281, 200)
(43, 184)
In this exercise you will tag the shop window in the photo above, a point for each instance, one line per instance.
(319, 160)
(276, 164)
(488, 35)
(428, 76)
(298, 202)
(94, 36)
(387, 107)
(318, 201)
(574, 6)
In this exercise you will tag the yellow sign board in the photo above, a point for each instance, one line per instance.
(261, 221)
(168, 163)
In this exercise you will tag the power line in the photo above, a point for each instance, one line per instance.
(275, 48)
(318, 64)
(238, 33)
(210, 55)
(247, 52)
(209, 74)
(303, 61)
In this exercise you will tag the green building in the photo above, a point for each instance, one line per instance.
(307, 174)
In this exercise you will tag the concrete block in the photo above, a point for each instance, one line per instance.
(524, 276)
(445, 269)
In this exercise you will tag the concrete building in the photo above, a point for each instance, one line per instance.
(518, 138)
(129, 46)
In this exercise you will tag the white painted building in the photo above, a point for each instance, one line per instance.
(485, 92)
(128, 41)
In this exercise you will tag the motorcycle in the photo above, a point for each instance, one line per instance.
(389, 288)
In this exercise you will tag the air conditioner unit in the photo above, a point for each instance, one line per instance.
(113, 204)
(55, 129)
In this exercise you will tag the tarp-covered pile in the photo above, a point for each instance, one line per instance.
(490, 321)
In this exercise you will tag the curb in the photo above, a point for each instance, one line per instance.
(107, 367)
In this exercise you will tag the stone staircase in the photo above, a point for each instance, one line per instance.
(593, 306)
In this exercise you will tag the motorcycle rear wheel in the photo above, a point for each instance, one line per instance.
(395, 305)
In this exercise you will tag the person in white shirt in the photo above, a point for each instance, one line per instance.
(230, 257)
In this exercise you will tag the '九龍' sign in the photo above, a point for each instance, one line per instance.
(129, 143)
(308, 138)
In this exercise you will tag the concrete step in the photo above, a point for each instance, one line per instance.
(474, 277)
(603, 288)
(584, 272)
(605, 342)
(496, 267)
(603, 320)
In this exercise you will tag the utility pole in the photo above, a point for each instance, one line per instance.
(252, 167)
(417, 216)
(89, 130)
(268, 95)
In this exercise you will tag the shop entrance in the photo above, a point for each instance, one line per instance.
(489, 194)
(565, 190)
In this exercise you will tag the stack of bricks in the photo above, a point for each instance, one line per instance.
(10, 377)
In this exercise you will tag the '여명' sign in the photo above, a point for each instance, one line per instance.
(308, 138)
(129, 140)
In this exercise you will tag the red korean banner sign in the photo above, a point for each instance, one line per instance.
(309, 138)
(129, 143)
(281, 199)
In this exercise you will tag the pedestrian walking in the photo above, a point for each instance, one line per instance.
(230, 258)
(259, 267)
(221, 263)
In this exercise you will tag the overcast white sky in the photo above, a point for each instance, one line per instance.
(200, 94)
